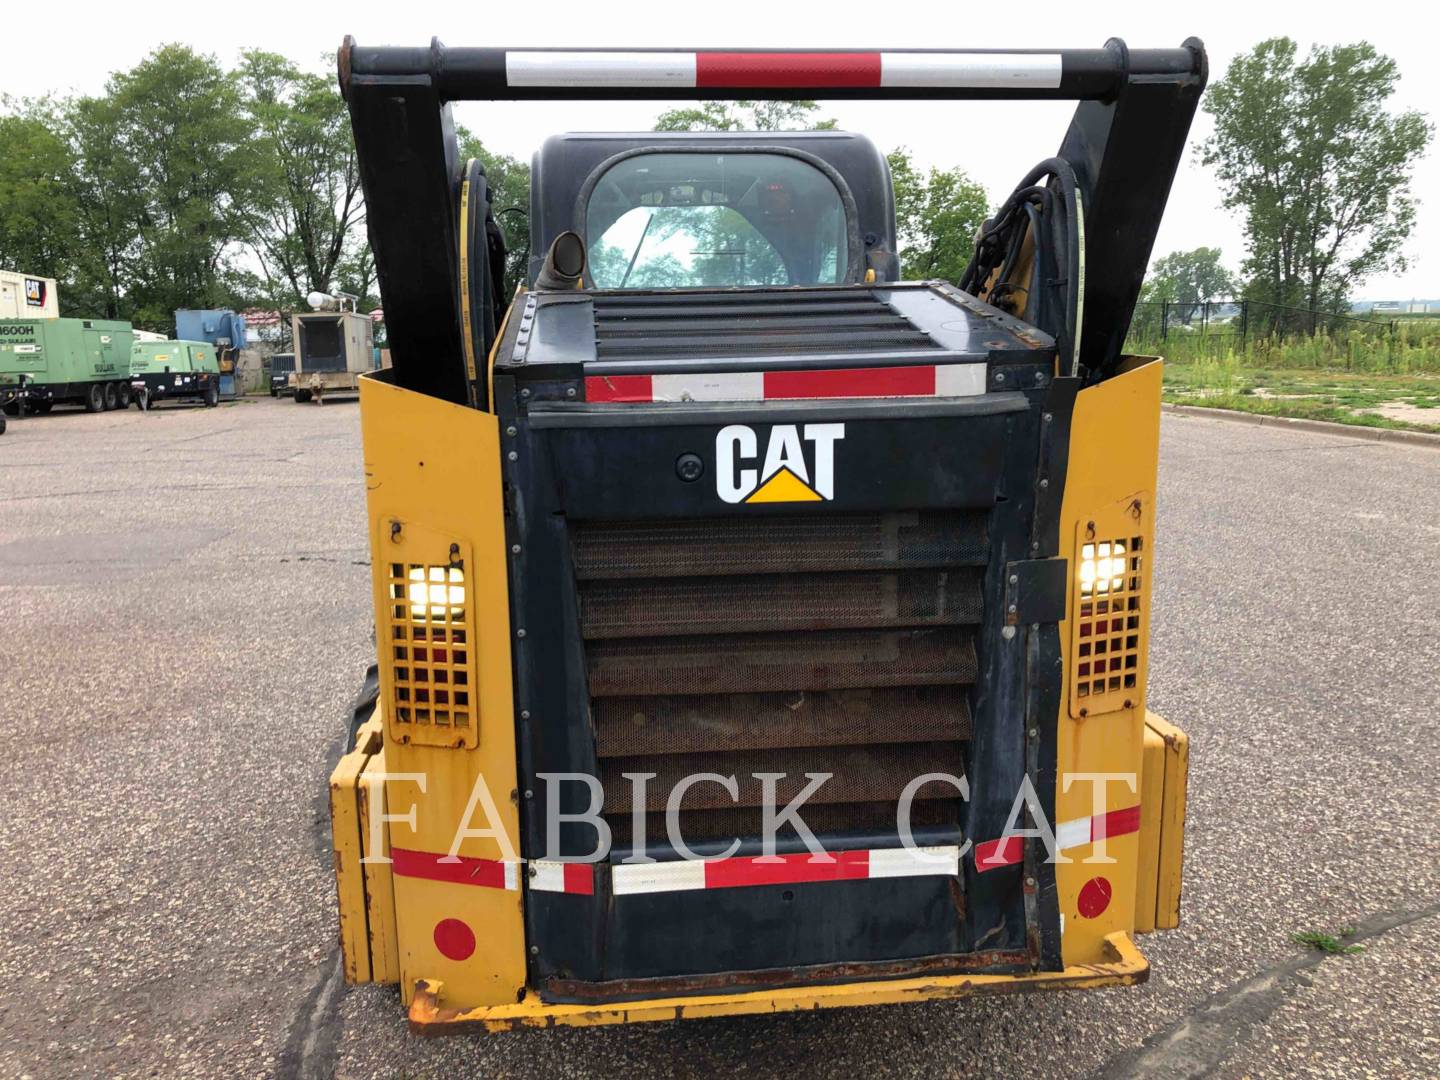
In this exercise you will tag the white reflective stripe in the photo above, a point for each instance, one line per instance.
(959, 380)
(736, 386)
(1069, 834)
(512, 876)
(547, 876)
(658, 877)
(600, 69)
(916, 862)
(1004, 70)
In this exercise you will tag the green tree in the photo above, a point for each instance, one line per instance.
(164, 175)
(109, 200)
(744, 116)
(1189, 277)
(38, 215)
(1307, 151)
(937, 215)
(305, 214)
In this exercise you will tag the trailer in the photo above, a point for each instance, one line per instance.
(332, 350)
(174, 371)
(28, 296)
(65, 362)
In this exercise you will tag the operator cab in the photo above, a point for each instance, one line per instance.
(717, 209)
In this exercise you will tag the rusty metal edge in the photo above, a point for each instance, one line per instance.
(1126, 966)
(1326, 427)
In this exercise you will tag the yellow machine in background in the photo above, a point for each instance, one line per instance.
(767, 530)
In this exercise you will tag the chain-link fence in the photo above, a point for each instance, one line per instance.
(1234, 323)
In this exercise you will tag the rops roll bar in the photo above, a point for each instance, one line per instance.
(1124, 144)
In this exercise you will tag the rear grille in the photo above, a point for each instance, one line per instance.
(795, 322)
(837, 643)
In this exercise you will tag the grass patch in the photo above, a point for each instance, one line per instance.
(1328, 943)
(1342, 397)
(1412, 347)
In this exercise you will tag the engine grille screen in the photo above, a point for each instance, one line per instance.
(653, 326)
(836, 643)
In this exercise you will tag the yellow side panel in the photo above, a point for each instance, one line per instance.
(379, 883)
(1171, 849)
(1152, 797)
(433, 477)
(1114, 448)
(345, 834)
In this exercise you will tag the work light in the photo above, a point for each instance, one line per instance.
(1102, 567)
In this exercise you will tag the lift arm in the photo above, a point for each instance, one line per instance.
(1124, 145)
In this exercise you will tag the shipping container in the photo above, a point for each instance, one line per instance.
(28, 296)
(67, 361)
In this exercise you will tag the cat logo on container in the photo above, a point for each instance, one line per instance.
(798, 464)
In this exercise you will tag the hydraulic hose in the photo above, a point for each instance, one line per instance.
(1029, 258)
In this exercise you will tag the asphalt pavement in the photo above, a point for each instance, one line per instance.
(185, 612)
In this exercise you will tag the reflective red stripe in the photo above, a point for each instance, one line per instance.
(881, 382)
(787, 869)
(580, 878)
(993, 854)
(489, 873)
(1010, 850)
(1115, 823)
(787, 69)
(852, 382)
(618, 388)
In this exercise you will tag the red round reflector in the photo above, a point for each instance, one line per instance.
(454, 939)
(1094, 897)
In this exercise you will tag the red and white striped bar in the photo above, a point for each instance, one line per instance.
(929, 380)
(1010, 850)
(457, 869)
(578, 879)
(782, 70)
(798, 869)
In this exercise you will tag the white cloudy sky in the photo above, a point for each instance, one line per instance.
(69, 47)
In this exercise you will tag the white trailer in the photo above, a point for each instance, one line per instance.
(332, 350)
(28, 296)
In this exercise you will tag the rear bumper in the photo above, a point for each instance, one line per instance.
(1125, 966)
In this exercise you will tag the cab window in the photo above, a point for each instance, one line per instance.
(675, 220)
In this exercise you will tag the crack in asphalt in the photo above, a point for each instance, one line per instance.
(1201, 1041)
(312, 1046)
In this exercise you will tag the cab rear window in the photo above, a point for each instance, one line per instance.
(668, 220)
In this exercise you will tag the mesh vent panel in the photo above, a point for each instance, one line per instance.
(1107, 605)
(678, 325)
(794, 644)
(790, 602)
(779, 544)
(428, 651)
(692, 724)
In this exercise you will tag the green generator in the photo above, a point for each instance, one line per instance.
(66, 361)
(174, 370)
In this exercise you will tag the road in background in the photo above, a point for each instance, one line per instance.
(186, 612)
